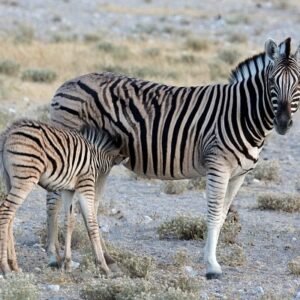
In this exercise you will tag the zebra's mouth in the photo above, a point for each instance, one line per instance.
(282, 126)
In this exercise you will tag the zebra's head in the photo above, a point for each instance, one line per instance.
(283, 80)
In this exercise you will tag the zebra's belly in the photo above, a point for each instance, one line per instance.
(55, 184)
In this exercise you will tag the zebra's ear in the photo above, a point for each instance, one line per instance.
(271, 49)
(121, 159)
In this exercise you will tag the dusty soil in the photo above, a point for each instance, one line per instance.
(270, 239)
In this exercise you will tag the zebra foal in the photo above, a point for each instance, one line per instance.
(172, 132)
(59, 160)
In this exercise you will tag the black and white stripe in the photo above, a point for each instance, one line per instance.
(183, 132)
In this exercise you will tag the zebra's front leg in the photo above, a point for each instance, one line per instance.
(216, 187)
(69, 227)
(52, 246)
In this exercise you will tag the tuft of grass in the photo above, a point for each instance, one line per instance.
(183, 228)
(229, 56)
(287, 202)
(217, 70)
(39, 75)
(19, 287)
(174, 187)
(3, 191)
(180, 258)
(25, 34)
(197, 44)
(267, 171)
(119, 51)
(197, 184)
(194, 228)
(152, 52)
(5, 118)
(238, 37)
(232, 255)
(294, 266)
(9, 67)
(138, 289)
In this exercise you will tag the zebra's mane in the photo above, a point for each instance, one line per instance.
(248, 68)
(100, 138)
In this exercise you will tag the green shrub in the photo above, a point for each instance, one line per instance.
(39, 75)
(9, 67)
(119, 51)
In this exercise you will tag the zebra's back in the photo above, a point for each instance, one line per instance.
(160, 125)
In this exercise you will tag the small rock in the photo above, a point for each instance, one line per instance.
(26, 99)
(190, 271)
(114, 211)
(37, 245)
(1, 277)
(53, 287)
(294, 239)
(255, 180)
(104, 228)
(12, 110)
(74, 264)
(259, 290)
(37, 269)
(147, 219)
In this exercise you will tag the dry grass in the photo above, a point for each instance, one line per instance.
(294, 266)
(267, 170)
(8, 67)
(231, 255)
(19, 287)
(287, 202)
(39, 75)
(194, 228)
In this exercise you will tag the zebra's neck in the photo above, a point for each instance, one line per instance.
(251, 77)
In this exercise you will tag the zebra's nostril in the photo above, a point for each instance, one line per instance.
(290, 123)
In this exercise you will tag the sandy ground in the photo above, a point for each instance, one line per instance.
(269, 239)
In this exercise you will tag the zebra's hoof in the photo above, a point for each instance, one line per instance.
(54, 264)
(210, 276)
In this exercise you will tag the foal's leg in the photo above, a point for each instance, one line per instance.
(100, 184)
(69, 226)
(11, 252)
(52, 246)
(87, 205)
(17, 194)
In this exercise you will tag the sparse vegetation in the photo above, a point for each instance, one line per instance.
(287, 202)
(294, 266)
(9, 67)
(230, 56)
(197, 44)
(180, 258)
(194, 228)
(39, 75)
(19, 287)
(238, 37)
(119, 51)
(267, 171)
(231, 255)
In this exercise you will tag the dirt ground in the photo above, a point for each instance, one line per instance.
(270, 239)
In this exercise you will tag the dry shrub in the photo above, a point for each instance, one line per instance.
(287, 202)
(267, 170)
(194, 228)
(19, 287)
(231, 255)
(157, 287)
(39, 75)
(230, 56)
(294, 266)
(180, 258)
(9, 67)
(197, 44)
(197, 184)
(183, 228)
(3, 191)
(174, 187)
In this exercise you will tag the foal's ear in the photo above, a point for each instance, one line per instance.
(121, 159)
(271, 50)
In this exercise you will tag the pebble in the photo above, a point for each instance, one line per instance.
(74, 264)
(255, 180)
(12, 110)
(53, 287)
(294, 239)
(105, 228)
(190, 271)
(114, 211)
(259, 290)
(297, 296)
(147, 219)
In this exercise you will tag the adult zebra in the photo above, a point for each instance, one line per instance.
(184, 132)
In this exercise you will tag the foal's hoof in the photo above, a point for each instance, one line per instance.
(13, 265)
(210, 276)
(54, 264)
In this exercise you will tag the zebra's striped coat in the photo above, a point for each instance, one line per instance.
(183, 132)
(59, 160)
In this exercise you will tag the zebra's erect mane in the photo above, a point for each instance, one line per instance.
(100, 138)
(248, 68)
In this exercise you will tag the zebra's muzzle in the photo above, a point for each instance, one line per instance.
(282, 124)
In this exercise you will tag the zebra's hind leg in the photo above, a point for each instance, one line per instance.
(11, 252)
(52, 246)
(216, 189)
(100, 184)
(8, 207)
(87, 205)
(69, 226)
